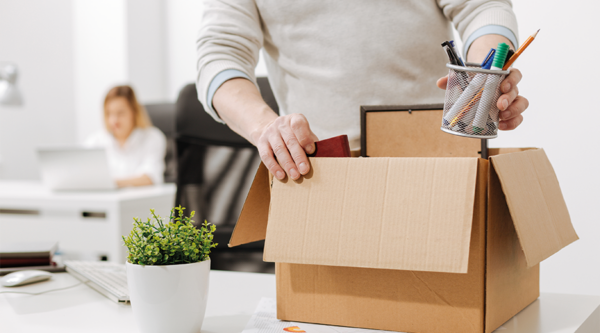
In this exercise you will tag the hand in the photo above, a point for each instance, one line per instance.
(510, 104)
(283, 144)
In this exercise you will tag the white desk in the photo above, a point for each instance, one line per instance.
(86, 224)
(232, 299)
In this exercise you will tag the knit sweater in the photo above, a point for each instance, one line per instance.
(327, 58)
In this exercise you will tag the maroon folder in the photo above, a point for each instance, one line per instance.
(337, 146)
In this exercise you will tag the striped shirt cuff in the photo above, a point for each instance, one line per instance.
(218, 80)
(491, 29)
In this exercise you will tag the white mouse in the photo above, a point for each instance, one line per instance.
(24, 277)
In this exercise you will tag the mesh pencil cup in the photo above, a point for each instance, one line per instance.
(470, 105)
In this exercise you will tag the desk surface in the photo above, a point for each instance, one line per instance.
(34, 190)
(232, 300)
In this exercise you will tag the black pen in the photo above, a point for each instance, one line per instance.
(463, 79)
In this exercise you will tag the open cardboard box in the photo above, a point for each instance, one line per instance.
(414, 244)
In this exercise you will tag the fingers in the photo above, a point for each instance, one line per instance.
(305, 136)
(266, 155)
(510, 89)
(442, 82)
(283, 145)
(507, 125)
(296, 138)
(511, 80)
(280, 149)
(511, 118)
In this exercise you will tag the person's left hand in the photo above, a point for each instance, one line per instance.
(510, 104)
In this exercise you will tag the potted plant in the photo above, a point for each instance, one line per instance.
(167, 272)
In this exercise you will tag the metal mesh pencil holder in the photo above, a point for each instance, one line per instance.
(470, 106)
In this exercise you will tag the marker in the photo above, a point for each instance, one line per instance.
(465, 98)
(489, 90)
(508, 56)
(467, 116)
(520, 50)
(471, 105)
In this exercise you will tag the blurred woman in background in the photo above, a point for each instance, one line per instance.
(136, 150)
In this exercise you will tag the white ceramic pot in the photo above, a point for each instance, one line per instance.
(169, 298)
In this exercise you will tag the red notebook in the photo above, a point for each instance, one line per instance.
(337, 146)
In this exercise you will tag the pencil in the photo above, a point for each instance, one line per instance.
(467, 108)
(520, 50)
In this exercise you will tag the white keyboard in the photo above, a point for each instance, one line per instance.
(108, 278)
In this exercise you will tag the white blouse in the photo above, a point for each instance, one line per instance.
(142, 154)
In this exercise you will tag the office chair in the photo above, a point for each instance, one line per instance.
(216, 167)
(162, 116)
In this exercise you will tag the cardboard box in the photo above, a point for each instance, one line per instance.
(436, 244)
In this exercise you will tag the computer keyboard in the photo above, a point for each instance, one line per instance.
(107, 278)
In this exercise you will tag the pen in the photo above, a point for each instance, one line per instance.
(489, 56)
(489, 90)
(463, 79)
(454, 55)
(460, 61)
(451, 58)
(520, 50)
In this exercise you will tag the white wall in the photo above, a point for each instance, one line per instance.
(36, 35)
(100, 52)
(183, 22)
(562, 86)
(117, 42)
(147, 49)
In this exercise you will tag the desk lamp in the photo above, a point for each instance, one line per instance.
(9, 94)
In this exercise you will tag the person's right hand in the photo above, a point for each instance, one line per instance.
(283, 145)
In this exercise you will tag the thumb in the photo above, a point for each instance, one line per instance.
(442, 82)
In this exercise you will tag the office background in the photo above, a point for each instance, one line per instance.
(70, 52)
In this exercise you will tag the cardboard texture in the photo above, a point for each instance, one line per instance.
(510, 285)
(255, 211)
(411, 214)
(412, 244)
(398, 300)
(536, 204)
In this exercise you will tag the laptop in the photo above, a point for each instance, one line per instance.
(75, 168)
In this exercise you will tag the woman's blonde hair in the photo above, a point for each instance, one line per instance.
(140, 116)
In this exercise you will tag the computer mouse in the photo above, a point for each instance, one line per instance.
(20, 278)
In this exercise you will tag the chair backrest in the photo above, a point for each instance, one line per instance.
(195, 125)
(162, 116)
(215, 165)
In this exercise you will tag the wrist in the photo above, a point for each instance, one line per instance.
(265, 118)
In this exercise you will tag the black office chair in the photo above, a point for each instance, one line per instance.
(162, 116)
(216, 167)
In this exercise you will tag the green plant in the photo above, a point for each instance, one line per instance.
(178, 242)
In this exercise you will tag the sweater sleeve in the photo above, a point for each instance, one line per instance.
(230, 37)
(470, 18)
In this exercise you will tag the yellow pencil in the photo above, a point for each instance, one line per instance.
(467, 107)
(520, 50)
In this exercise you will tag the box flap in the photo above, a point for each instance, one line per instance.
(252, 223)
(394, 213)
(536, 204)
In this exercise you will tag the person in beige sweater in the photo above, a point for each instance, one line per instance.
(326, 58)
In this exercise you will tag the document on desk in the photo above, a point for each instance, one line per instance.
(264, 320)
